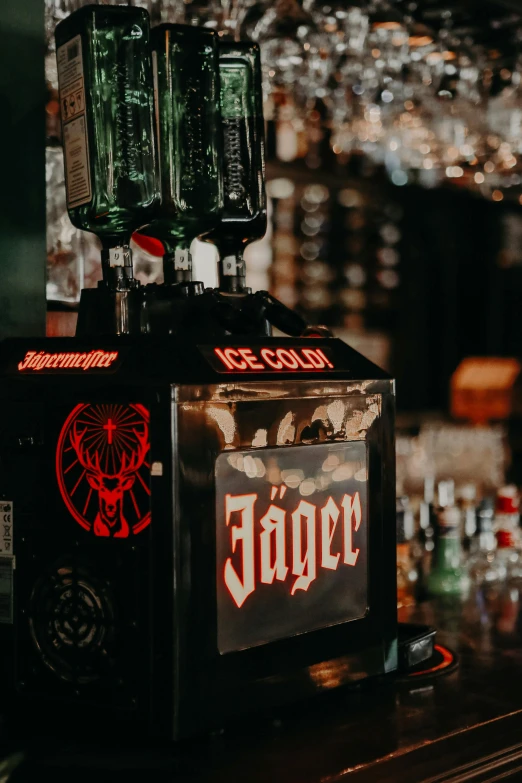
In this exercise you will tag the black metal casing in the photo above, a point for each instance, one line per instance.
(155, 660)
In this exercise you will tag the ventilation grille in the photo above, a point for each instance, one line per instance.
(72, 623)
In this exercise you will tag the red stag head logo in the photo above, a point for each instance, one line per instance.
(111, 486)
(102, 469)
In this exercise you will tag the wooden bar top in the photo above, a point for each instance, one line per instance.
(466, 725)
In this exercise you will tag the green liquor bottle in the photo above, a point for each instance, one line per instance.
(107, 107)
(448, 576)
(186, 83)
(244, 217)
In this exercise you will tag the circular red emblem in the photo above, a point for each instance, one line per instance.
(103, 469)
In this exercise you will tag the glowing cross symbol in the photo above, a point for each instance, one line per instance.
(110, 427)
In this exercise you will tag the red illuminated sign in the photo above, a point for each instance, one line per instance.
(102, 468)
(273, 359)
(304, 556)
(291, 541)
(91, 360)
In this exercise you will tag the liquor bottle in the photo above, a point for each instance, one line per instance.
(425, 543)
(508, 559)
(244, 217)
(482, 568)
(188, 120)
(467, 504)
(427, 515)
(448, 576)
(506, 614)
(107, 108)
(406, 572)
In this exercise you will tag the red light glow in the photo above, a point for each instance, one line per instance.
(93, 360)
(271, 552)
(273, 359)
(102, 469)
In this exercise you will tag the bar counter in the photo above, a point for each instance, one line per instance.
(465, 725)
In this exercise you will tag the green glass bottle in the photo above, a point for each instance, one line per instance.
(186, 78)
(448, 576)
(107, 106)
(244, 217)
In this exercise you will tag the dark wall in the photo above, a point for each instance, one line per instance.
(456, 300)
(22, 163)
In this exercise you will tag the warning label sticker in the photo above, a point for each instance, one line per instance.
(6, 523)
(76, 162)
(7, 561)
(72, 102)
(74, 122)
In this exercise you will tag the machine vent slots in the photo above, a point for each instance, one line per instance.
(72, 623)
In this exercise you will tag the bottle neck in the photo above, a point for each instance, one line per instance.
(448, 553)
(177, 265)
(117, 268)
(486, 541)
(427, 515)
(121, 308)
(232, 273)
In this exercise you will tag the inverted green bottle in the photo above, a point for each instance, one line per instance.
(107, 104)
(244, 216)
(188, 121)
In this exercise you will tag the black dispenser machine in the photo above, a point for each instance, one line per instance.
(203, 513)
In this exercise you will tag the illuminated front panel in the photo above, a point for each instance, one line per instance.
(273, 359)
(103, 468)
(42, 361)
(292, 532)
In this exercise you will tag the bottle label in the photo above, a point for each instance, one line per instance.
(448, 522)
(505, 539)
(7, 562)
(74, 123)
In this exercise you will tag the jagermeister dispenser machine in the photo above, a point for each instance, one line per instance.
(204, 513)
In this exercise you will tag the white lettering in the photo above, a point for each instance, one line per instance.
(273, 546)
(303, 567)
(240, 588)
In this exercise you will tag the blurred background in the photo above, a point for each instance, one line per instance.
(394, 134)
(394, 174)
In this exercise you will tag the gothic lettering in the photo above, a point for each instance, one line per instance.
(240, 586)
(304, 565)
(351, 509)
(329, 516)
(265, 541)
(28, 356)
(42, 360)
(273, 545)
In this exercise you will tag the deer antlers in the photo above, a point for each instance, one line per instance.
(127, 467)
(84, 459)
(138, 457)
